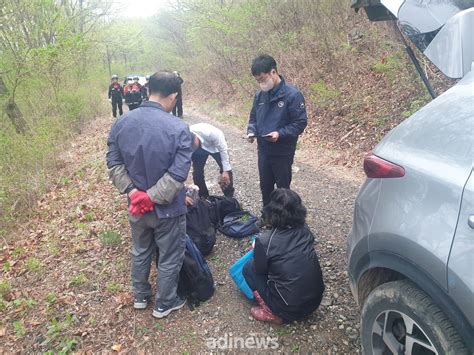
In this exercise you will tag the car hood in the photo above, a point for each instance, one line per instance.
(441, 29)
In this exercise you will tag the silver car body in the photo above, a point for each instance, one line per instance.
(418, 225)
(421, 226)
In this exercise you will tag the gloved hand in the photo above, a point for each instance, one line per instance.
(123, 100)
(110, 100)
(135, 210)
(140, 203)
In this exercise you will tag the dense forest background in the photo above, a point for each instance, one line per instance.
(56, 57)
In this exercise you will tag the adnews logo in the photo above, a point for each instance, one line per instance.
(252, 341)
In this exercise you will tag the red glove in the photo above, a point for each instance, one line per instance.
(135, 210)
(140, 203)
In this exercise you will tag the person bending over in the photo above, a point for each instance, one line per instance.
(284, 274)
(210, 140)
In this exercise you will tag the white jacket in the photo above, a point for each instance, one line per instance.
(212, 140)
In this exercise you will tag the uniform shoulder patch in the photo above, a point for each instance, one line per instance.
(302, 105)
(281, 104)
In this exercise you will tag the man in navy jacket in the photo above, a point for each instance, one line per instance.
(277, 118)
(149, 158)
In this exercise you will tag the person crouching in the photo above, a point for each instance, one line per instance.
(284, 274)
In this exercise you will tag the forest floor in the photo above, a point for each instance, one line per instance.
(65, 279)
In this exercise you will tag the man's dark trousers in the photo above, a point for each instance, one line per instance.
(117, 103)
(168, 235)
(273, 169)
(199, 159)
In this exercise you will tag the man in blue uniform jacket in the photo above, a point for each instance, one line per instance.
(149, 158)
(277, 118)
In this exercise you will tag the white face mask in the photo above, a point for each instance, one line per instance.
(130, 82)
(267, 85)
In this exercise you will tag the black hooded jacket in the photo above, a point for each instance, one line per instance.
(288, 257)
(115, 92)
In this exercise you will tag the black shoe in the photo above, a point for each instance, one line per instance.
(161, 312)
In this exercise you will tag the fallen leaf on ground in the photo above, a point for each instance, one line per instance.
(117, 347)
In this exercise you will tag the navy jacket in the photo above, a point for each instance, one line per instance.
(282, 109)
(151, 142)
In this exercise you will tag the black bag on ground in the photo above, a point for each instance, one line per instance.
(200, 228)
(239, 224)
(195, 278)
(221, 206)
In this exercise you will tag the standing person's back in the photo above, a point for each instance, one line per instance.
(149, 158)
(161, 133)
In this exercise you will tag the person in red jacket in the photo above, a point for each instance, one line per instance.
(116, 96)
(133, 93)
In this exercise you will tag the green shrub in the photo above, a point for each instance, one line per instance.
(19, 328)
(322, 95)
(33, 264)
(110, 238)
(113, 287)
(390, 66)
(415, 105)
(51, 299)
(78, 280)
(5, 288)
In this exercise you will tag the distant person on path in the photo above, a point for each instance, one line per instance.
(277, 118)
(146, 91)
(210, 141)
(116, 96)
(284, 274)
(133, 92)
(149, 158)
(178, 108)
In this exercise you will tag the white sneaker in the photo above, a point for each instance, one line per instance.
(140, 303)
(163, 312)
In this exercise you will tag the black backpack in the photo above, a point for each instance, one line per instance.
(195, 278)
(239, 224)
(221, 206)
(200, 228)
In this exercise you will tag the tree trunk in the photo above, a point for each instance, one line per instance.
(109, 59)
(15, 116)
(3, 88)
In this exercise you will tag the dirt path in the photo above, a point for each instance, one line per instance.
(65, 279)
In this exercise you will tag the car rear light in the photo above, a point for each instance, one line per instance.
(379, 168)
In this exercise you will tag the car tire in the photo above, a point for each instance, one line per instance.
(398, 317)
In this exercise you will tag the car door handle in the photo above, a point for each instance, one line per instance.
(470, 221)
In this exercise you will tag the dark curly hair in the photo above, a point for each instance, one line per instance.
(285, 209)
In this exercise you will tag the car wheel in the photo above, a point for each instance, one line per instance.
(399, 318)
